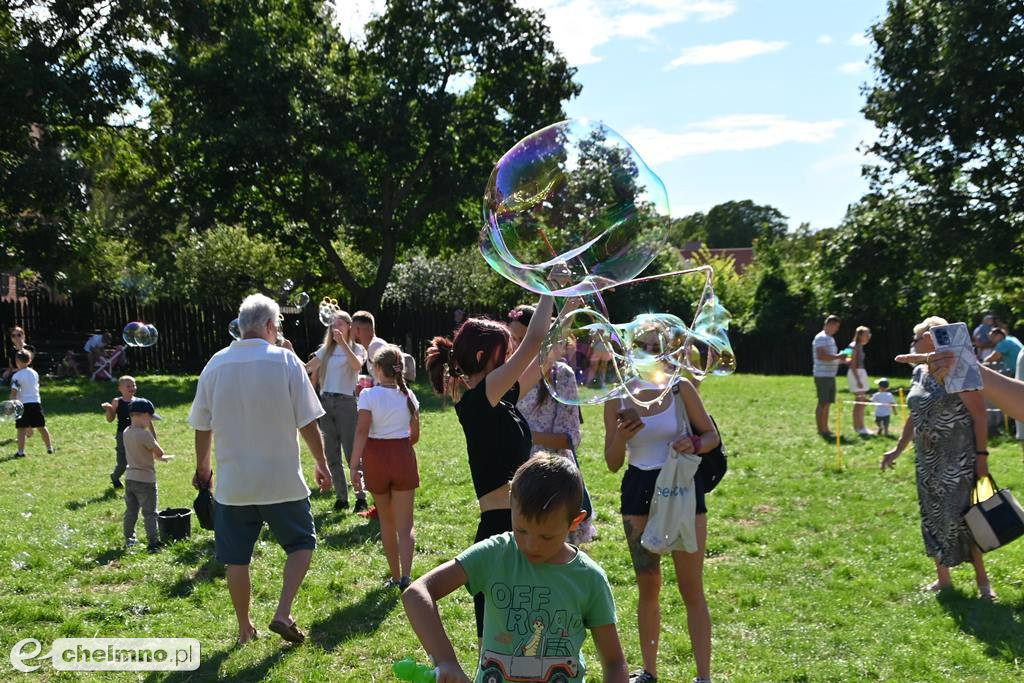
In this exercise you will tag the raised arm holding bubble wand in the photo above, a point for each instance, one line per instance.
(571, 211)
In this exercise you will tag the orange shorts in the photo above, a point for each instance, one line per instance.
(390, 464)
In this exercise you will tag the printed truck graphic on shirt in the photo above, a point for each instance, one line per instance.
(535, 659)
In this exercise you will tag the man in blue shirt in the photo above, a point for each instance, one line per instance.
(1006, 349)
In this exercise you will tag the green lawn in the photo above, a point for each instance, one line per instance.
(813, 573)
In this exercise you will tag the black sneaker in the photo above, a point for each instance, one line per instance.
(19, 454)
(153, 548)
(404, 583)
(129, 542)
(361, 506)
(341, 504)
(116, 482)
(642, 676)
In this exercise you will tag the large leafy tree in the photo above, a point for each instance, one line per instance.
(730, 224)
(266, 117)
(946, 100)
(67, 71)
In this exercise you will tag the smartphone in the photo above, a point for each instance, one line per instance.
(628, 414)
(965, 375)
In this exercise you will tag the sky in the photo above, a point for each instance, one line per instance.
(724, 99)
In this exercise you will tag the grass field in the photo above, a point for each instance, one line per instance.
(813, 573)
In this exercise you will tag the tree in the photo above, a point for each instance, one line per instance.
(266, 117)
(67, 70)
(946, 100)
(731, 224)
(738, 224)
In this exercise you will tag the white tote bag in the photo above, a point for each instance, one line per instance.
(672, 524)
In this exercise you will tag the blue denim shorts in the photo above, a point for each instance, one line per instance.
(236, 528)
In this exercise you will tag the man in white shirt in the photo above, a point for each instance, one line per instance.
(364, 329)
(94, 346)
(826, 361)
(251, 399)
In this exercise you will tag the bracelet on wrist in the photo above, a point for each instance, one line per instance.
(985, 453)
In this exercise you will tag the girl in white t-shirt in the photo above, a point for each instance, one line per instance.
(387, 428)
(334, 370)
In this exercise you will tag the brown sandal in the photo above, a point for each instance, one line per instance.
(289, 632)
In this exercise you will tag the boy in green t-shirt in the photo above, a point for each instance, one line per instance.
(541, 594)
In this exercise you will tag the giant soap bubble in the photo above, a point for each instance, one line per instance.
(611, 361)
(234, 330)
(576, 198)
(11, 410)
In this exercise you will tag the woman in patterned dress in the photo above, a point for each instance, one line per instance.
(555, 426)
(950, 442)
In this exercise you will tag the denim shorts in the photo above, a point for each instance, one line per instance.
(237, 527)
(638, 488)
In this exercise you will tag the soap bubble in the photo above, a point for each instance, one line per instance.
(11, 410)
(587, 359)
(577, 199)
(234, 330)
(303, 300)
(329, 309)
(130, 333)
(146, 335)
(287, 286)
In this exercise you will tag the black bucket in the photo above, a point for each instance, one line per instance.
(175, 524)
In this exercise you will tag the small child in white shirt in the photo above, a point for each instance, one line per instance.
(883, 412)
(25, 388)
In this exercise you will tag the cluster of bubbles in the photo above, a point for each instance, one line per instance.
(572, 210)
(300, 301)
(329, 310)
(605, 361)
(139, 334)
(11, 410)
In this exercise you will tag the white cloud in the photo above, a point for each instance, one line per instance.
(853, 67)
(859, 40)
(723, 53)
(734, 133)
(578, 27)
(824, 39)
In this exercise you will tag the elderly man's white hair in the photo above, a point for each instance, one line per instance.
(255, 311)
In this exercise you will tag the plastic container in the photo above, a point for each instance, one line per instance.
(175, 524)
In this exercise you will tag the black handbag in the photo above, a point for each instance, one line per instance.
(995, 520)
(203, 506)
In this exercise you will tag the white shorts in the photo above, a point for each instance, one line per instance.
(857, 379)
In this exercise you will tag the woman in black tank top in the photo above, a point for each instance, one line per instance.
(476, 370)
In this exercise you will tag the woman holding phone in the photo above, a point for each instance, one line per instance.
(950, 436)
(643, 435)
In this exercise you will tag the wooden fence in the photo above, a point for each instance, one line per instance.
(191, 332)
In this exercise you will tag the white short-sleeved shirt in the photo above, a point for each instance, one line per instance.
(824, 368)
(340, 377)
(888, 399)
(388, 410)
(26, 381)
(253, 396)
(93, 342)
(375, 345)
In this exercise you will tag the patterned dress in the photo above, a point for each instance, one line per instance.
(556, 417)
(944, 444)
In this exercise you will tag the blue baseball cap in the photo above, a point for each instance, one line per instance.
(143, 405)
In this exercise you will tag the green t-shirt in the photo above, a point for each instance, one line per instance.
(535, 615)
